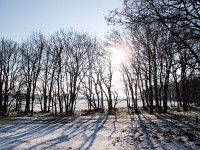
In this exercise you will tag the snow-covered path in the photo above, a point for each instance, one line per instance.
(99, 133)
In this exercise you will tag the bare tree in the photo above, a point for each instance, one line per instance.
(8, 74)
(31, 52)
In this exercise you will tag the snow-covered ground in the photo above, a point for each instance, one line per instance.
(99, 132)
(81, 104)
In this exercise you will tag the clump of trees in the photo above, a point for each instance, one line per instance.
(163, 64)
(54, 71)
(165, 52)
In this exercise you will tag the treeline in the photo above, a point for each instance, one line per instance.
(54, 71)
(164, 62)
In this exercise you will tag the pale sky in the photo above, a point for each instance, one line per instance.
(19, 18)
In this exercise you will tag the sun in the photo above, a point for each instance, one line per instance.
(118, 56)
(119, 53)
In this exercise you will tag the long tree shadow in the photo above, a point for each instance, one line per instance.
(14, 135)
(66, 132)
(97, 127)
(162, 131)
(143, 127)
(114, 127)
(138, 128)
(181, 130)
(79, 129)
(21, 133)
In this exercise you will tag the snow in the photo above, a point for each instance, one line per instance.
(99, 132)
